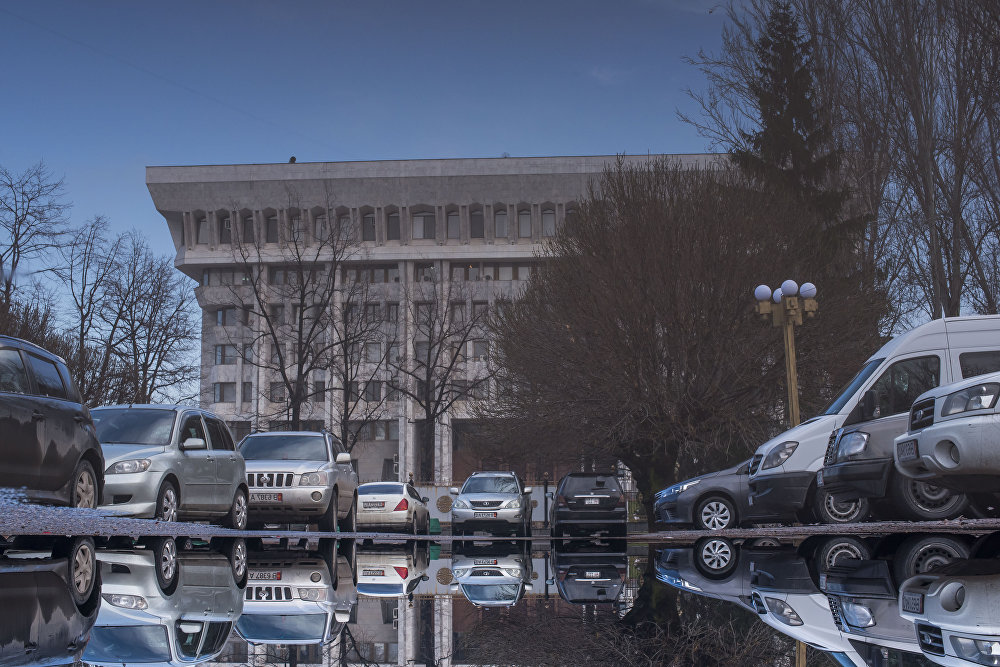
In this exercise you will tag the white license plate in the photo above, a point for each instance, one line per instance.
(819, 477)
(484, 515)
(590, 501)
(907, 450)
(592, 575)
(372, 572)
(265, 575)
(484, 561)
(912, 603)
(373, 504)
(265, 497)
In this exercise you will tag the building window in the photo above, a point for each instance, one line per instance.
(368, 227)
(421, 350)
(480, 309)
(247, 392)
(271, 230)
(524, 224)
(500, 224)
(461, 389)
(372, 313)
(202, 231)
(353, 392)
(423, 225)
(477, 229)
(319, 390)
(392, 393)
(319, 227)
(227, 317)
(425, 313)
(240, 430)
(275, 354)
(392, 312)
(248, 229)
(226, 230)
(480, 349)
(505, 272)
(394, 356)
(480, 390)
(373, 352)
(276, 312)
(373, 391)
(458, 312)
(548, 222)
(277, 392)
(454, 227)
(297, 231)
(344, 227)
(225, 355)
(225, 392)
(458, 352)
(423, 272)
(392, 227)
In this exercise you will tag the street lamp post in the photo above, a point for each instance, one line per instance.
(785, 307)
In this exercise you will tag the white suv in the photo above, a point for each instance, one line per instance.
(496, 502)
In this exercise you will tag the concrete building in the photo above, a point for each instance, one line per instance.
(478, 224)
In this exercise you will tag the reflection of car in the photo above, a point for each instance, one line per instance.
(711, 502)
(384, 571)
(704, 570)
(163, 605)
(48, 443)
(588, 502)
(496, 575)
(171, 462)
(954, 436)
(48, 604)
(493, 501)
(296, 597)
(590, 572)
(393, 506)
(301, 477)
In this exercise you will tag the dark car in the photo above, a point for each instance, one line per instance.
(714, 501)
(588, 502)
(590, 572)
(49, 444)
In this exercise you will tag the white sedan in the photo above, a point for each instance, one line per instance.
(393, 506)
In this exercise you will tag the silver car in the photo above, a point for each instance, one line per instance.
(496, 502)
(300, 477)
(393, 506)
(171, 462)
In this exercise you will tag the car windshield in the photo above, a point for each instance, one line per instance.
(287, 627)
(371, 489)
(852, 387)
(127, 644)
(487, 593)
(284, 448)
(490, 484)
(133, 426)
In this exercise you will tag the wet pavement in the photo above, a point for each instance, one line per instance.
(125, 591)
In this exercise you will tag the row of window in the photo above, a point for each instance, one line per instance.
(372, 391)
(374, 273)
(426, 313)
(374, 352)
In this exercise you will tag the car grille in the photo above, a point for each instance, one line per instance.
(922, 414)
(835, 611)
(757, 458)
(668, 514)
(930, 639)
(269, 593)
(486, 503)
(269, 479)
(831, 449)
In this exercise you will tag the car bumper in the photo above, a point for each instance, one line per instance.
(851, 480)
(779, 496)
(674, 509)
(132, 494)
(386, 520)
(975, 440)
(595, 518)
(295, 501)
(466, 519)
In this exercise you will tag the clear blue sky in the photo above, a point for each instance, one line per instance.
(100, 90)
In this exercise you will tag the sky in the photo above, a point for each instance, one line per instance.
(100, 90)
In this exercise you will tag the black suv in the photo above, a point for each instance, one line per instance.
(588, 502)
(49, 444)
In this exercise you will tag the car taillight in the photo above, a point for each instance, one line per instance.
(621, 501)
(561, 501)
(403, 572)
(402, 506)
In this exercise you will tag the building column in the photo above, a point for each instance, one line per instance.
(443, 629)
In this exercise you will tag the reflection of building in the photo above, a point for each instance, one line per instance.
(477, 223)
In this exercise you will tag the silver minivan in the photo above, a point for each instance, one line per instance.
(171, 462)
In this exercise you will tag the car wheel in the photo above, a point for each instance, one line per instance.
(85, 490)
(328, 522)
(829, 510)
(839, 548)
(167, 502)
(165, 560)
(715, 513)
(237, 517)
(349, 524)
(715, 557)
(926, 502)
(918, 555)
(81, 555)
(236, 551)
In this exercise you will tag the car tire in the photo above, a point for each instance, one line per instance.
(165, 563)
(238, 511)
(81, 555)
(835, 549)
(84, 491)
(167, 502)
(715, 557)
(328, 522)
(349, 524)
(925, 502)
(828, 510)
(921, 554)
(715, 513)
(235, 550)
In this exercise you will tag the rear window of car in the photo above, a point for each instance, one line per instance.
(372, 489)
(587, 484)
(47, 377)
(284, 448)
(133, 426)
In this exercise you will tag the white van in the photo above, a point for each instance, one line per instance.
(872, 410)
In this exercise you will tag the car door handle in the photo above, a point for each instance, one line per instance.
(37, 416)
(79, 419)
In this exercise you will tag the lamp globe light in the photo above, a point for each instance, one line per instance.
(789, 288)
(808, 290)
(776, 297)
(762, 293)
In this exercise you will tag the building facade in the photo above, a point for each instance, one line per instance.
(449, 236)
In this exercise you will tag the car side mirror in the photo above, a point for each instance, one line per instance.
(343, 458)
(527, 489)
(194, 443)
(453, 490)
(425, 499)
(549, 495)
(550, 582)
(424, 577)
(528, 587)
(869, 406)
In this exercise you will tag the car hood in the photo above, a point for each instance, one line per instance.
(123, 452)
(488, 496)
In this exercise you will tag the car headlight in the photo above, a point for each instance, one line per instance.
(784, 612)
(313, 479)
(851, 445)
(980, 651)
(980, 397)
(515, 503)
(857, 615)
(778, 455)
(125, 601)
(125, 467)
(676, 489)
(460, 572)
(313, 594)
(512, 571)
(460, 504)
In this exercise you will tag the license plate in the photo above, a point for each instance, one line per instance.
(372, 572)
(907, 450)
(913, 603)
(484, 561)
(819, 477)
(373, 504)
(592, 575)
(265, 575)
(484, 515)
(265, 497)
(590, 501)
